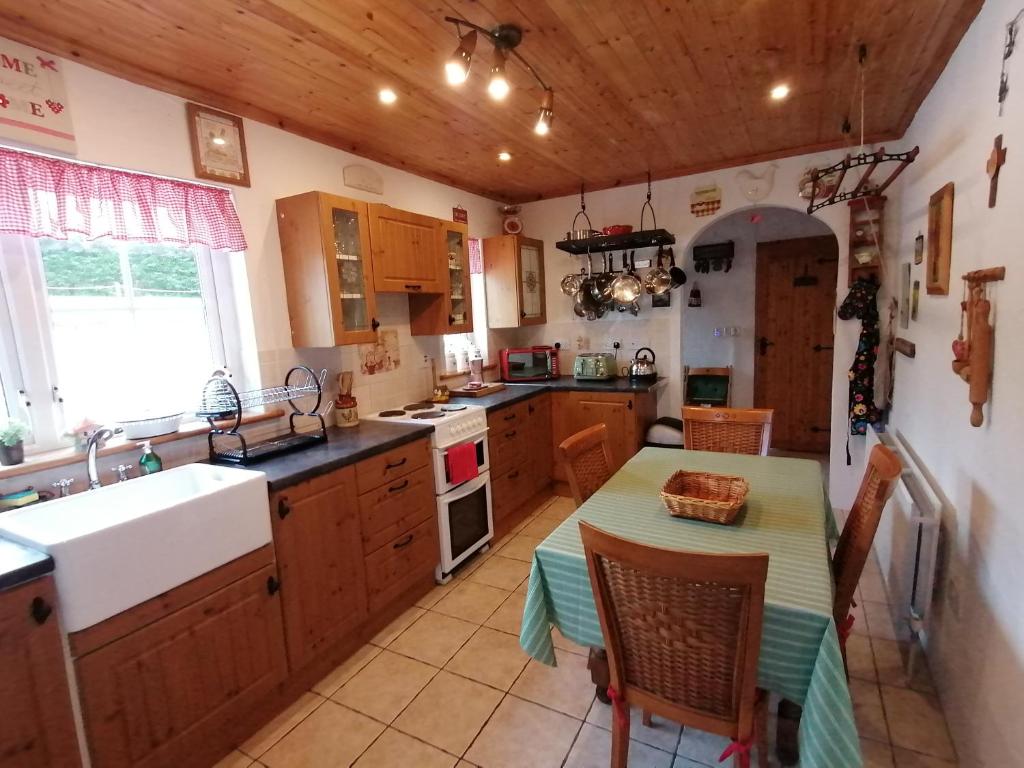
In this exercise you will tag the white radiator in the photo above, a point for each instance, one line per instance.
(907, 542)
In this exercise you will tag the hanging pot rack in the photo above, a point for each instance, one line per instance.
(641, 238)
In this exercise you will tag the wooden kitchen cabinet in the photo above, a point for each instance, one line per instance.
(514, 280)
(37, 729)
(172, 681)
(626, 414)
(452, 310)
(328, 271)
(320, 557)
(519, 446)
(407, 254)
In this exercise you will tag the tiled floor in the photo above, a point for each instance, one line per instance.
(447, 686)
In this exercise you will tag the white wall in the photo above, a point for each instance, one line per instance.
(977, 643)
(728, 297)
(126, 125)
(661, 328)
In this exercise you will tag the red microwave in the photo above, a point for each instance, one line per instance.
(529, 364)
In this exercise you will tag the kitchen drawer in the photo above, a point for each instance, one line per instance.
(510, 489)
(394, 509)
(499, 421)
(398, 564)
(374, 472)
(508, 446)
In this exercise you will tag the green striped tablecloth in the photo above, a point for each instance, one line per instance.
(786, 515)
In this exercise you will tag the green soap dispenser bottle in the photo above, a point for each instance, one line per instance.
(149, 462)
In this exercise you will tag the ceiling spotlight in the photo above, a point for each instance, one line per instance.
(546, 113)
(457, 67)
(498, 85)
(387, 96)
(779, 92)
(504, 156)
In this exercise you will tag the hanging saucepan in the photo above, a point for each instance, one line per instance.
(601, 287)
(571, 283)
(678, 276)
(658, 280)
(578, 308)
(625, 287)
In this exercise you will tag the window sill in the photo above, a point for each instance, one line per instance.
(66, 456)
(457, 374)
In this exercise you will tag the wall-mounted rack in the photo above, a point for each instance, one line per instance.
(221, 401)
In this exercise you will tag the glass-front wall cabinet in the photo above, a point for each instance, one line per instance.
(531, 282)
(355, 286)
(460, 307)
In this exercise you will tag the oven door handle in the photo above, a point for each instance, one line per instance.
(466, 489)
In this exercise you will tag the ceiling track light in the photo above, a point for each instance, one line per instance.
(505, 38)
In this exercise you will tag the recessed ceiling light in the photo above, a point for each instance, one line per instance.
(779, 92)
(387, 96)
(504, 156)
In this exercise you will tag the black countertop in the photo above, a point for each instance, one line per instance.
(516, 393)
(343, 447)
(19, 564)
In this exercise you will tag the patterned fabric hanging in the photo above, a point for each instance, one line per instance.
(861, 303)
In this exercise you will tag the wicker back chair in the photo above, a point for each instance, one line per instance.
(728, 430)
(683, 634)
(880, 476)
(588, 461)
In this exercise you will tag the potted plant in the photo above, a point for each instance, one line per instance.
(12, 442)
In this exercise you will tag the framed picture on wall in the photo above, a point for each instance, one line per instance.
(218, 145)
(940, 241)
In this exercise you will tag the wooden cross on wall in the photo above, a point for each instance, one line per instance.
(995, 162)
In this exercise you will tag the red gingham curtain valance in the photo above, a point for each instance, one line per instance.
(476, 257)
(46, 197)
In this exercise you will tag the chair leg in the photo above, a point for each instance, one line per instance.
(647, 719)
(761, 731)
(620, 742)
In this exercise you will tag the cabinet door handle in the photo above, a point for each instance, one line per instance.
(530, 408)
(283, 508)
(522, 314)
(509, 416)
(629, 404)
(404, 542)
(375, 324)
(397, 464)
(273, 585)
(413, 287)
(451, 319)
(511, 433)
(513, 475)
(40, 610)
(399, 486)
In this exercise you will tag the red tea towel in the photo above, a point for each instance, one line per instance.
(462, 463)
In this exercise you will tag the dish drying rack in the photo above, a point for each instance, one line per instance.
(222, 406)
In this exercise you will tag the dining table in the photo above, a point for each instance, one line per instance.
(786, 514)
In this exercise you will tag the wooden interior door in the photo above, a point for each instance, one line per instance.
(794, 307)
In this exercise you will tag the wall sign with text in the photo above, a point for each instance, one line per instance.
(33, 103)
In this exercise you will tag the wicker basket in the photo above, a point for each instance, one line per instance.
(704, 496)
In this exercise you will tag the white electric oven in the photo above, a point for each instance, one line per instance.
(465, 523)
(442, 475)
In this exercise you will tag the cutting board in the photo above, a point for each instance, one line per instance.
(486, 389)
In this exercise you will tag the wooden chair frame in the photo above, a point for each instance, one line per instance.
(576, 446)
(880, 477)
(746, 570)
(693, 415)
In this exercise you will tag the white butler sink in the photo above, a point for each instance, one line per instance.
(120, 545)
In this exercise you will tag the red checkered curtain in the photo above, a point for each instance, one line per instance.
(46, 197)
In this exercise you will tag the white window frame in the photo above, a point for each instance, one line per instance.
(27, 364)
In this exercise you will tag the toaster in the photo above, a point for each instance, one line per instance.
(594, 365)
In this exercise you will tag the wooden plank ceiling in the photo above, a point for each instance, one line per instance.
(662, 85)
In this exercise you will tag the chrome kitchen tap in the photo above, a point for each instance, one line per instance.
(101, 435)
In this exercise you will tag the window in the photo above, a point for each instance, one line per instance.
(108, 330)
